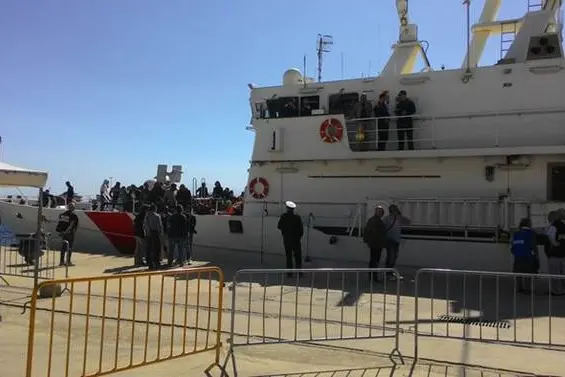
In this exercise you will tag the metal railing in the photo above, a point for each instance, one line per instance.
(98, 329)
(528, 127)
(494, 307)
(308, 306)
(18, 257)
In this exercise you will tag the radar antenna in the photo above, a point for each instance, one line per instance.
(322, 46)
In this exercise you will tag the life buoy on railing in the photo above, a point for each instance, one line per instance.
(259, 188)
(331, 131)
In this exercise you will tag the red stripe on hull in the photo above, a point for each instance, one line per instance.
(117, 227)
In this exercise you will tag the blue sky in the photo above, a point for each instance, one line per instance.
(107, 88)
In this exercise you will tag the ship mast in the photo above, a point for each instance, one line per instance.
(408, 47)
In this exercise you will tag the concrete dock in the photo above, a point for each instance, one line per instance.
(322, 324)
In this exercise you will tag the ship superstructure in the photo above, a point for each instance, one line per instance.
(488, 141)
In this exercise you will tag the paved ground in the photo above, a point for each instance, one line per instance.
(313, 314)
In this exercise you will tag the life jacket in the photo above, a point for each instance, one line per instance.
(522, 242)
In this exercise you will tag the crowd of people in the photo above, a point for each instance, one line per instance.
(118, 197)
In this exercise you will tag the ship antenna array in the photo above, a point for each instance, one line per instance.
(322, 46)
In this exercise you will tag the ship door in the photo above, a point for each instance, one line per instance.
(556, 182)
(285, 174)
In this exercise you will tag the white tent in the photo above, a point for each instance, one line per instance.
(14, 176)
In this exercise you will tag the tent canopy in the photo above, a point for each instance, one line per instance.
(14, 176)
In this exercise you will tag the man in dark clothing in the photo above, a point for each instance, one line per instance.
(405, 107)
(140, 241)
(290, 225)
(184, 196)
(556, 252)
(191, 220)
(375, 236)
(67, 227)
(178, 235)
(383, 120)
(70, 193)
(153, 227)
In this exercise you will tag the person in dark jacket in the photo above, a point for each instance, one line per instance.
(405, 108)
(191, 219)
(524, 250)
(290, 225)
(177, 232)
(67, 228)
(375, 236)
(184, 196)
(383, 121)
(140, 255)
(556, 252)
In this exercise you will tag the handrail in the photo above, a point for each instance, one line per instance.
(466, 115)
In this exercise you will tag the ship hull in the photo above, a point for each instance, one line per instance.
(112, 233)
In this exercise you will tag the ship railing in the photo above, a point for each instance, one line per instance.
(519, 128)
(480, 214)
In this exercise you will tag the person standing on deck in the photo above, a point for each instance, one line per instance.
(290, 225)
(105, 194)
(154, 232)
(383, 120)
(556, 252)
(405, 108)
(374, 235)
(70, 193)
(67, 227)
(394, 223)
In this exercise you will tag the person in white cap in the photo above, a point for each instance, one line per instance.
(290, 225)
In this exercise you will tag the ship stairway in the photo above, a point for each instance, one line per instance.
(508, 32)
(466, 214)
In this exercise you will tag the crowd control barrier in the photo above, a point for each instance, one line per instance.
(494, 307)
(20, 257)
(98, 329)
(273, 306)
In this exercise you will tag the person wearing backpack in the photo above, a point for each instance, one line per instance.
(67, 227)
(524, 249)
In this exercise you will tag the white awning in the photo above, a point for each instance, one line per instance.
(14, 176)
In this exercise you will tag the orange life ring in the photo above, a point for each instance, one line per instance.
(259, 193)
(331, 131)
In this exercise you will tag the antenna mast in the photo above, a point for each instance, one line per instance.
(322, 46)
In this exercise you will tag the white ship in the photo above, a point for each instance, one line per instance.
(489, 149)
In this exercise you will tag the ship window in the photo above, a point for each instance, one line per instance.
(556, 183)
(309, 103)
(342, 103)
(283, 107)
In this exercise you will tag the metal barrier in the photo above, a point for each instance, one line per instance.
(18, 256)
(310, 306)
(97, 329)
(496, 307)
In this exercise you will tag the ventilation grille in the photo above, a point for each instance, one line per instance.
(474, 322)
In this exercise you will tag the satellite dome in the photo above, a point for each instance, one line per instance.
(293, 76)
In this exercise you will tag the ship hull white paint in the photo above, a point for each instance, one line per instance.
(213, 231)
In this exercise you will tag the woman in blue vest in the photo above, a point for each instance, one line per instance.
(524, 250)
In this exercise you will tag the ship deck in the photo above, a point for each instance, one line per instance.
(439, 356)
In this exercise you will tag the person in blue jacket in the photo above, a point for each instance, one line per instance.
(524, 250)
